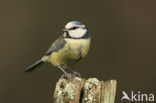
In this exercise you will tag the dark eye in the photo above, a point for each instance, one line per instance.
(73, 28)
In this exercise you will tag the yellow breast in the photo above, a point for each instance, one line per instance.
(72, 51)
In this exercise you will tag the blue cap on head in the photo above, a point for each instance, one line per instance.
(76, 22)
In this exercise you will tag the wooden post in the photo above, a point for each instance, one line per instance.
(78, 90)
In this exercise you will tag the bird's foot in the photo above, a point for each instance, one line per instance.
(77, 74)
(68, 76)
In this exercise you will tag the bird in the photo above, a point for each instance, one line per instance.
(68, 49)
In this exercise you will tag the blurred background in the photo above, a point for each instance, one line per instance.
(123, 45)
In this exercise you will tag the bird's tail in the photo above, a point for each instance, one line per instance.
(33, 66)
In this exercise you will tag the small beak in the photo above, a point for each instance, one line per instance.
(65, 29)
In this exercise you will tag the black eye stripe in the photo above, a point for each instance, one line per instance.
(73, 28)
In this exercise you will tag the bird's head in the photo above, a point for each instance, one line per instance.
(75, 29)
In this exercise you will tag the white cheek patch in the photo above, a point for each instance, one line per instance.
(78, 33)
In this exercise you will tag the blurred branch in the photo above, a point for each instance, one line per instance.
(78, 90)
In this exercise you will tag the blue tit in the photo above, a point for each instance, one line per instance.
(68, 49)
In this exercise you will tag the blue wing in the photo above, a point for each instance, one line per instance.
(56, 46)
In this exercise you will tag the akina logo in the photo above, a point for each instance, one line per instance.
(138, 96)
